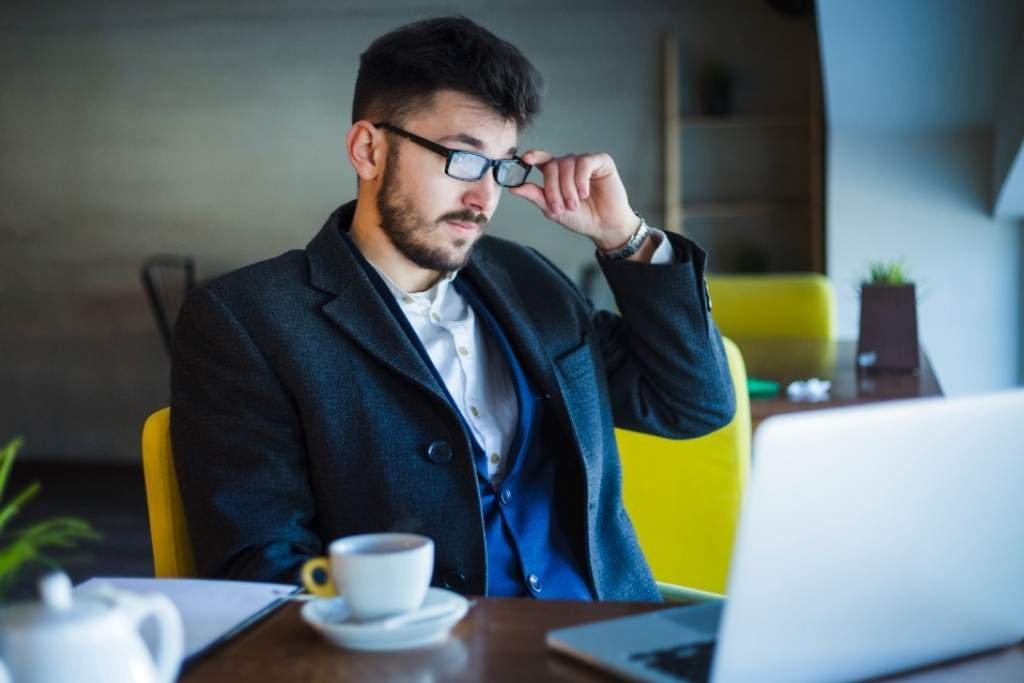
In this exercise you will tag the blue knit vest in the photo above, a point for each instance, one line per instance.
(529, 551)
(528, 548)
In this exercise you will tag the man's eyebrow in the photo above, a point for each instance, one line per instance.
(463, 138)
(471, 142)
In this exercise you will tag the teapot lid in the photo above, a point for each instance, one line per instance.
(58, 607)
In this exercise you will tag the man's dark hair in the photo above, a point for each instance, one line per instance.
(401, 71)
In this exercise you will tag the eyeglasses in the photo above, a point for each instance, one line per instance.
(470, 166)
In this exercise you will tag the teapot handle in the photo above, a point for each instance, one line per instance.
(170, 646)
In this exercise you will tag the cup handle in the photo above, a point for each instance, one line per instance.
(324, 590)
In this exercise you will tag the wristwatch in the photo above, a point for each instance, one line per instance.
(632, 245)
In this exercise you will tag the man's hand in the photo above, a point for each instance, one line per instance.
(583, 193)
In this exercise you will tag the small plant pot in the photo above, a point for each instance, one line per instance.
(888, 328)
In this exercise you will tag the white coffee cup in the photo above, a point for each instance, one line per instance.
(379, 575)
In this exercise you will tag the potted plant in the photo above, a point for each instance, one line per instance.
(888, 319)
(30, 545)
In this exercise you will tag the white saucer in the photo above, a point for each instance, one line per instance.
(330, 616)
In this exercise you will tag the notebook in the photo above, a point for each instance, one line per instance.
(212, 612)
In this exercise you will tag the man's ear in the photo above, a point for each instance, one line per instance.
(366, 149)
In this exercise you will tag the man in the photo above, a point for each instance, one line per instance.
(405, 373)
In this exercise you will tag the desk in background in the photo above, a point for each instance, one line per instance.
(786, 360)
(502, 639)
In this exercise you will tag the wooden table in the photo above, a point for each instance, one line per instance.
(501, 639)
(786, 360)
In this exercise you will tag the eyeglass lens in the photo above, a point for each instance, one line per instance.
(469, 166)
(511, 173)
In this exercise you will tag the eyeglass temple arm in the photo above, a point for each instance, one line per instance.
(432, 146)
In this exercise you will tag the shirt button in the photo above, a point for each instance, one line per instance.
(534, 583)
(435, 317)
(407, 299)
(474, 411)
(454, 580)
(506, 496)
(463, 351)
(495, 458)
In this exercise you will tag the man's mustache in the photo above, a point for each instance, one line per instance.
(465, 216)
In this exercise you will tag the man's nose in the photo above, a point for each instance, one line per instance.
(482, 195)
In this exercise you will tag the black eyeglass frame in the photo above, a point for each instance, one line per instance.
(491, 164)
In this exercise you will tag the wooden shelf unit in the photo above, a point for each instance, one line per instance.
(743, 121)
(806, 213)
(738, 209)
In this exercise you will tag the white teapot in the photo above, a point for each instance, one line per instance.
(89, 637)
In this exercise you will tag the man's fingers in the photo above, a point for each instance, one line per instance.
(537, 157)
(532, 193)
(552, 190)
(584, 171)
(567, 179)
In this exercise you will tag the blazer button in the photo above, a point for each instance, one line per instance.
(455, 581)
(439, 452)
(506, 496)
(534, 583)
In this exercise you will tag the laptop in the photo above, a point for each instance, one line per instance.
(872, 540)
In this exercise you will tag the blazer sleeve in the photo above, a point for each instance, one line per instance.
(238, 450)
(666, 367)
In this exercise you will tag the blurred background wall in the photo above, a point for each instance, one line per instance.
(919, 93)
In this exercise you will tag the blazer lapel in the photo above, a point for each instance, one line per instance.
(357, 308)
(498, 292)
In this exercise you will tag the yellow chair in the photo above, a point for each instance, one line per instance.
(786, 305)
(684, 497)
(172, 549)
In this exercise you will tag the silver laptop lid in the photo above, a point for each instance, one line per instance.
(877, 539)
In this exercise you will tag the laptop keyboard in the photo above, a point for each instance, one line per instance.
(689, 662)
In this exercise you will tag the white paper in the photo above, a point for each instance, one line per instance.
(209, 609)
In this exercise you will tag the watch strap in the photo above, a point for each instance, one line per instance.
(632, 245)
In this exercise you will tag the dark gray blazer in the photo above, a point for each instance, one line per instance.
(301, 412)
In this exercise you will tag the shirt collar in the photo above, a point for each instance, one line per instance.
(419, 301)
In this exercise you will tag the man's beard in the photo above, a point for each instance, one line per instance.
(407, 229)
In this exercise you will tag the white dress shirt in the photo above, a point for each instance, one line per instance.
(470, 362)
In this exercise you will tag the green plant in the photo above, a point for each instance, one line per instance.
(20, 548)
(886, 273)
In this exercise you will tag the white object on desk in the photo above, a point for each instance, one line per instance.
(429, 625)
(873, 540)
(813, 390)
(90, 636)
(211, 610)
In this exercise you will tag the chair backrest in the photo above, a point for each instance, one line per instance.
(785, 305)
(172, 549)
(684, 496)
(167, 279)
